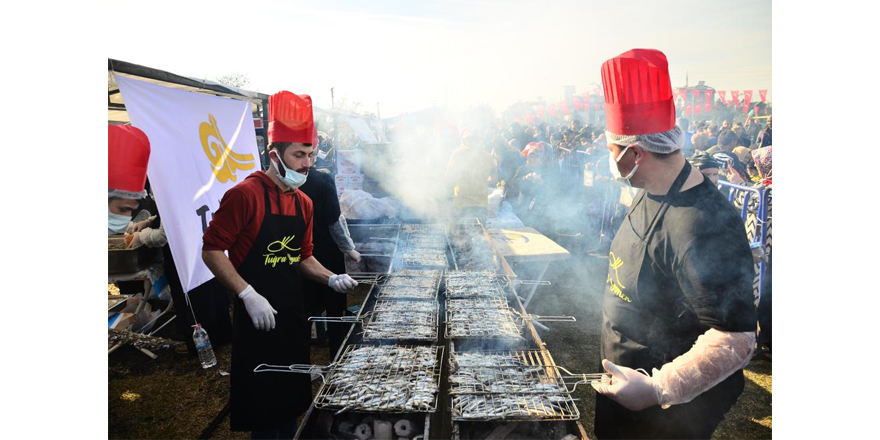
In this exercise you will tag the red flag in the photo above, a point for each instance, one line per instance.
(723, 95)
(697, 95)
(709, 94)
(697, 109)
(747, 98)
(745, 107)
(687, 109)
(734, 96)
(684, 94)
(552, 110)
(708, 108)
(530, 118)
(763, 94)
(576, 101)
(565, 109)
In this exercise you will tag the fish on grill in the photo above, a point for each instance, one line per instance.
(482, 323)
(423, 273)
(383, 378)
(527, 406)
(407, 292)
(475, 303)
(406, 320)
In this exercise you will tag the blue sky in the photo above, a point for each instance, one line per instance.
(407, 55)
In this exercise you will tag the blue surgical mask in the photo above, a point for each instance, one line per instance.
(615, 172)
(116, 223)
(291, 179)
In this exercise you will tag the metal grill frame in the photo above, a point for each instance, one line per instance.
(510, 319)
(565, 408)
(374, 316)
(495, 288)
(375, 372)
(435, 290)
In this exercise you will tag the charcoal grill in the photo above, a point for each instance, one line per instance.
(386, 378)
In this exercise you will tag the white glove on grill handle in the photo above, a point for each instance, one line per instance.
(258, 308)
(342, 283)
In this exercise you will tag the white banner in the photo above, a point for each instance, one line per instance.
(362, 129)
(200, 146)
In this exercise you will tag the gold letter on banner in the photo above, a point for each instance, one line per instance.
(224, 161)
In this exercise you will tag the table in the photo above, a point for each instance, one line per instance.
(527, 245)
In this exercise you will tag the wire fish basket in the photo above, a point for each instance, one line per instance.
(489, 323)
(411, 286)
(396, 320)
(386, 378)
(515, 385)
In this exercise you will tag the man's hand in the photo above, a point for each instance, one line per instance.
(634, 390)
(353, 255)
(258, 308)
(342, 283)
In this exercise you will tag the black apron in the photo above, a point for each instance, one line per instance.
(261, 401)
(637, 334)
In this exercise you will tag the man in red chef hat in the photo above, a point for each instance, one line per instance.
(128, 153)
(265, 223)
(678, 299)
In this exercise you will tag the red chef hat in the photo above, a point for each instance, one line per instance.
(638, 93)
(290, 118)
(128, 155)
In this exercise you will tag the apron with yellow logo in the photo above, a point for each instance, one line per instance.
(261, 401)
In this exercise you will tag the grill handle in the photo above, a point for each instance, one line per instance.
(343, 319)
(295, 368)
(551, 318)
(532, 282)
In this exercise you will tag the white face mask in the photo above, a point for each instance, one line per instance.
(116, 223)
(291, 179)
(615, 172)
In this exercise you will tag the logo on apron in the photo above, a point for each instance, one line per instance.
(615, 263)
(224, 161)
(277, 252)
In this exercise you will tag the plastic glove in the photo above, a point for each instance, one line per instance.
(258, 308)
(628, 387)
(135, 241)
(153, 237)
(342, 283)
(353, 255)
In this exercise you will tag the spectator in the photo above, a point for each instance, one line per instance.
(726, 142)
(707, 165)
(713, 136)
(765, 138)
(741, 139)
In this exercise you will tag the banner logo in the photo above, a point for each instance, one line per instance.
(224, 161)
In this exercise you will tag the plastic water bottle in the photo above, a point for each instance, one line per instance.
(203, 346)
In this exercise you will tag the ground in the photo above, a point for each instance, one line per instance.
(172, 397)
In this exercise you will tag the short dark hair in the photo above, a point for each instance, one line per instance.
(726, 137)
(282, 146)
(663, 156)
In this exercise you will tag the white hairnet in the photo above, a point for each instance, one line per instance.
(120, 194)
(660, 143)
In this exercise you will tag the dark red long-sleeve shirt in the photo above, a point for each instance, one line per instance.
(236, 223)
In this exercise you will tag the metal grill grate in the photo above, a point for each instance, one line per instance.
(403, 320)
(411, 287)
(387, 378)
(517, 385)
(464, 284)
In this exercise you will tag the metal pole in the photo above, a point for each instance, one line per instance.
(332, 100)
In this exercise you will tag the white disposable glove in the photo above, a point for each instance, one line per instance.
(261, 312)
(342, 283)
(353, 255)
(628, 387)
